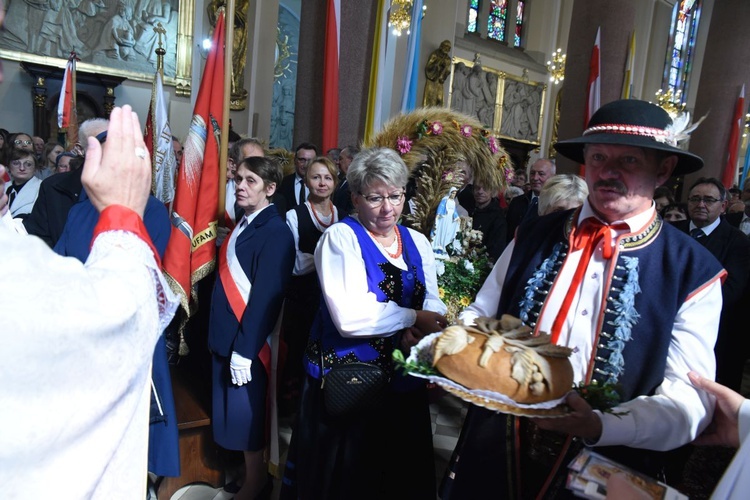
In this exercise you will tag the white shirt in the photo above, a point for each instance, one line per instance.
(355, 310)
(297, 182)
(230, 198)
(304, 263)
(678, 412)
(709, 228)
(75, 374)
(745, 224)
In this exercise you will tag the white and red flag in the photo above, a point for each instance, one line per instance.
(67, 119)
(331, 77)
(730, 169)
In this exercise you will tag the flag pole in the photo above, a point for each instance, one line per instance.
(228, 70)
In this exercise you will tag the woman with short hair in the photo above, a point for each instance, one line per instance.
(562, 192)
(23, 189)
(379, 286)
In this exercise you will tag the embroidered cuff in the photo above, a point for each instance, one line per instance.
(120, 218)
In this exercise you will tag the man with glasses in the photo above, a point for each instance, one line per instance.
(293, 190)
(706, 204)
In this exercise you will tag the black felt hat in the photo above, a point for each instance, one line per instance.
(631, 122)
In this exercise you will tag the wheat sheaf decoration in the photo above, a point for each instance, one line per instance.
(283, 157)
(431, 141)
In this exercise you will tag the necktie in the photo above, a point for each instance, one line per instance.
(11, 192)
(301, 192)
(586, 237)
(697, 233)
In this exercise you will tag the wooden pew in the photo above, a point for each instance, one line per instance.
(200, 458)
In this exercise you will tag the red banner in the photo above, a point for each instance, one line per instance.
(191, 252)
(331, 78)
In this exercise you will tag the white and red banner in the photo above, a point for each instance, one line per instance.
(158, 139)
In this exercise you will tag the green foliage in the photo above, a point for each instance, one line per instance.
(413, 366)
(602, 397)
(462, 274)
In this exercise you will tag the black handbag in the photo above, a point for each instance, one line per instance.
(353, 388)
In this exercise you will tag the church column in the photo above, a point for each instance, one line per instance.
(617, 20)
(726, 66)
(39, 91)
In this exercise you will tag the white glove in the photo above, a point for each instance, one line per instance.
(239, 368)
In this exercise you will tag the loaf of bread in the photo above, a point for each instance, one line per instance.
(503, 356)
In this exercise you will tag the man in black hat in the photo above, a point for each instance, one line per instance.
(638, 301)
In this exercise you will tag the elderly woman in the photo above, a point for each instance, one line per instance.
(380, 293)
(307, 222)
(562, 192)
(23, 189)
(255, 264)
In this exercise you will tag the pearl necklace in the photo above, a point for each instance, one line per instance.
(315, 214)
(400, 248)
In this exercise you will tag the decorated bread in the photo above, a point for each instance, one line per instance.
(504, 357)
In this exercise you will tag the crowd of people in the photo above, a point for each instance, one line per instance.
(319, 265)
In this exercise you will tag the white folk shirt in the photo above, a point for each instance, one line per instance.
(677, 412)
(75, 366)
(304, 263)
(355, 310)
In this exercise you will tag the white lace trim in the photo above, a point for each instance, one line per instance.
(135, 247)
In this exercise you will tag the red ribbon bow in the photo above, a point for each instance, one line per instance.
(585, 237)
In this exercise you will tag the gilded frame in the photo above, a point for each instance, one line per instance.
(518, 118)
(180, 78)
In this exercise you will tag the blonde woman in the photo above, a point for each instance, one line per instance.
(562, 192)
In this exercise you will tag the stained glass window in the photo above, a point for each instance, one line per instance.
(681, 46)
(519, 23)
(473, 13)
(496, 24)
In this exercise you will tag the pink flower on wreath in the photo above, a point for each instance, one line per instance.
(492, 143)
(466, 130)
(403, 145)
(436, 128)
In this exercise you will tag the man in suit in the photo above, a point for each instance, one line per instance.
(518, 210)
(342, 198)
(58, 193)
(706, 202)
(293, 190)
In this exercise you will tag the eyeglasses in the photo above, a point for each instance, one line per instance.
(24, 164)
(18, 142)
(706, 200)
(376, 201)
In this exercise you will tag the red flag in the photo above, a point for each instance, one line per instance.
(730, 169)
(158, 139)
(191, 251)
(331, 78)
(593, 90)
(67, 119)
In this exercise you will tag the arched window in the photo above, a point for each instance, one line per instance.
(471, 27)
(519, 23)
(497, 22)
(680, 48)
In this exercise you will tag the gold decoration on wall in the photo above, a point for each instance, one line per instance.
(556, 67)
